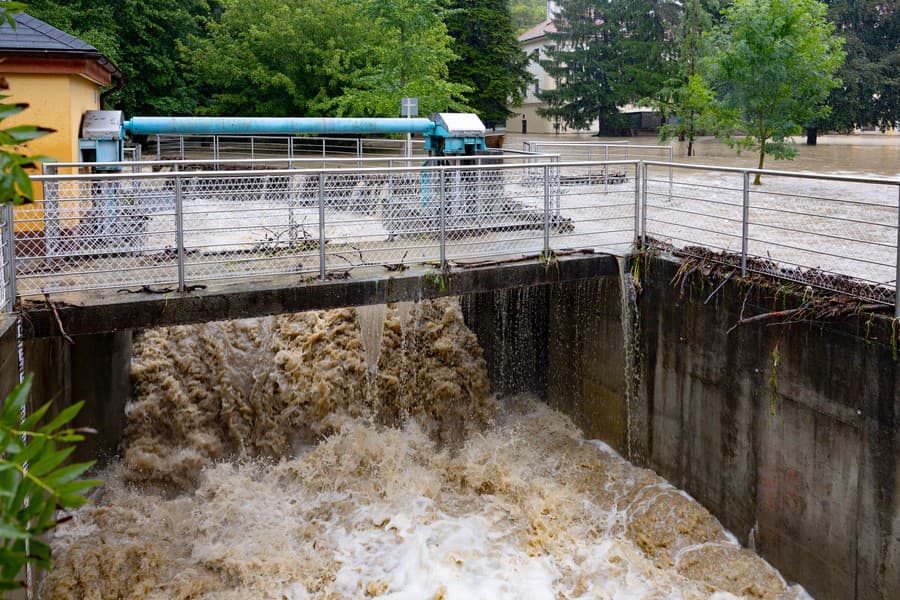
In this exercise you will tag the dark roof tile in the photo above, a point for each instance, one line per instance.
(33, 35)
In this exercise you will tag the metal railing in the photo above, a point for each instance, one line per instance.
(171, 226)
(181, 228)
(833, 232)
(602, 151)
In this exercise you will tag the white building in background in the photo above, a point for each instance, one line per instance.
(526, 118)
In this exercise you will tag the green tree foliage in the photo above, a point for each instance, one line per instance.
(772, 65)
(35, 482)
(607, 55)
(685, 101)
(579, 60)
(525, 14)
(273, 57)
(141, 37)
(870, 89)
(407, 55)
(490, 61)
(324, 58)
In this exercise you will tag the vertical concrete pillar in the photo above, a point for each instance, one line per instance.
(96, 369)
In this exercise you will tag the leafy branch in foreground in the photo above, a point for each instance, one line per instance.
(35, 482)
(15, 185)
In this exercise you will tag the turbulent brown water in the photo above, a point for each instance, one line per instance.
(264, 459)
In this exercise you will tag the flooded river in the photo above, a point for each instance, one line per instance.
(860, 154)
(286, 458)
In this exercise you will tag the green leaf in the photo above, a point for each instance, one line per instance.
(29, 423)
(50, 461)
(25, 133)
(12, 533)
(15, 401)
(68, 473)
(8, 110)
(39, 549)
(32, 449)
(72, 487)
(62, 418)
(23, 182)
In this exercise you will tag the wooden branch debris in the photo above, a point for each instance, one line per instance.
(59, 324)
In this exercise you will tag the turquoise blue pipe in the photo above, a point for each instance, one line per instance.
(273, 126)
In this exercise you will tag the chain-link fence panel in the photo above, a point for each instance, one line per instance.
(97, 232)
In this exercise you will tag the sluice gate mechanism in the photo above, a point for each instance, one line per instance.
(460, 178)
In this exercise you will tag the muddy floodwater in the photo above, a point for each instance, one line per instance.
(286, 458)
(858, 154)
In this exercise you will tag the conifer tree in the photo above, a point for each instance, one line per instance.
(490, 61)
(606, 55)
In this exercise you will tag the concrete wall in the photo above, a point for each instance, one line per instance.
(803, 466)
(804, 461)
(96, 369)
(562, 341)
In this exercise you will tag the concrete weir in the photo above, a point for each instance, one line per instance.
(787, 433)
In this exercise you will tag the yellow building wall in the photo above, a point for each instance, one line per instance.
(55, 101)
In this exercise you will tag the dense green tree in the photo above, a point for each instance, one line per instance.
(606, 55)
(142, 38)
(274, 57)
(324, 58)
(870, 89)
(407, 55)
(490, 61)
(684, 100)
(578, 59)
(772, 65)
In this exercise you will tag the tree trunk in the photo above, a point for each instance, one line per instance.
(811, 134)
(762, 156)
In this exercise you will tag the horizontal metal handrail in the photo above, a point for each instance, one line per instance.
(313, 171)
(773, 173)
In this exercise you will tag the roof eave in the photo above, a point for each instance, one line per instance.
(101, 59)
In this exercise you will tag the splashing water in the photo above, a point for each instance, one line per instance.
(256, 467)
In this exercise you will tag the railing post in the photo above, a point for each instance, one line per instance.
(158, 150)
(745, 224)
(546, 212)
(179, 231)
(442, 219)
(670, 173)
(9, 234)
(606, 169)
(638, 200)
(897, 269)
(644, 184)
(51, 212)
(322, 224)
